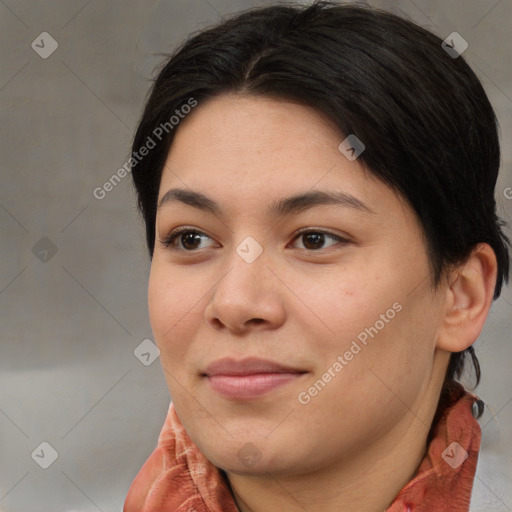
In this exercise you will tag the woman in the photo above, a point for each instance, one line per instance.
(317, 187)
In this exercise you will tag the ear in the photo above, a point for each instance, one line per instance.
(469, 295)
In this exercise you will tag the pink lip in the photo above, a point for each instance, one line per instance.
(248, 378)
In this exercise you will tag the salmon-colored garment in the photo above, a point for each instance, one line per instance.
(177, 477)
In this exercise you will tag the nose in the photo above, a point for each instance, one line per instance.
(247, 296)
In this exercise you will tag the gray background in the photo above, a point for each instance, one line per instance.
(71, 319)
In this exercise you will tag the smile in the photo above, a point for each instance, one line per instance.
(248, 378)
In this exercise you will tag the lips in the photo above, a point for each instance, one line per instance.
(248, 378)
(248, 366)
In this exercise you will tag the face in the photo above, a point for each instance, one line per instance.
(293, 333)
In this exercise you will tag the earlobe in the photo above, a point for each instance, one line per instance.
(469, 295)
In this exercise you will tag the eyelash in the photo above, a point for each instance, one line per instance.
(169, 240)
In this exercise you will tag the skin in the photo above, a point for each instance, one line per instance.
(356, 443)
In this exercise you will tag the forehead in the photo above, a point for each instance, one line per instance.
(254, 138)
(245, 119)
(244, 151)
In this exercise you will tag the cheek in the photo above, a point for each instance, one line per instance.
(160, 302)
(174, 312)
(375, 384)
(342, 306)
(171, 309)
(375, 324)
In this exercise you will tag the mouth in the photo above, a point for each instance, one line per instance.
(248, 378)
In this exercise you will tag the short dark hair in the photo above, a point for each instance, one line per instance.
(428, 127)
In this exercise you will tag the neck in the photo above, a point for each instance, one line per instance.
(367, 482)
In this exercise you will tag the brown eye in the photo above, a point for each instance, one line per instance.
(186, 238)
(190, 240)
(314, 240)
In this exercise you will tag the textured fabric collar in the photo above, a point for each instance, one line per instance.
(177, 477)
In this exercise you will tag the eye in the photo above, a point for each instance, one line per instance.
(189, 240)
(186, 237)
(314, 239)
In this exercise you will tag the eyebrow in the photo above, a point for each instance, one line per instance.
(279, 208)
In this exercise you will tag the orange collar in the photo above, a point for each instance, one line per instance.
(444, 480)
(177, 477)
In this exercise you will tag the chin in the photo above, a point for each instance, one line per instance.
(256, 457)
(247, 466)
